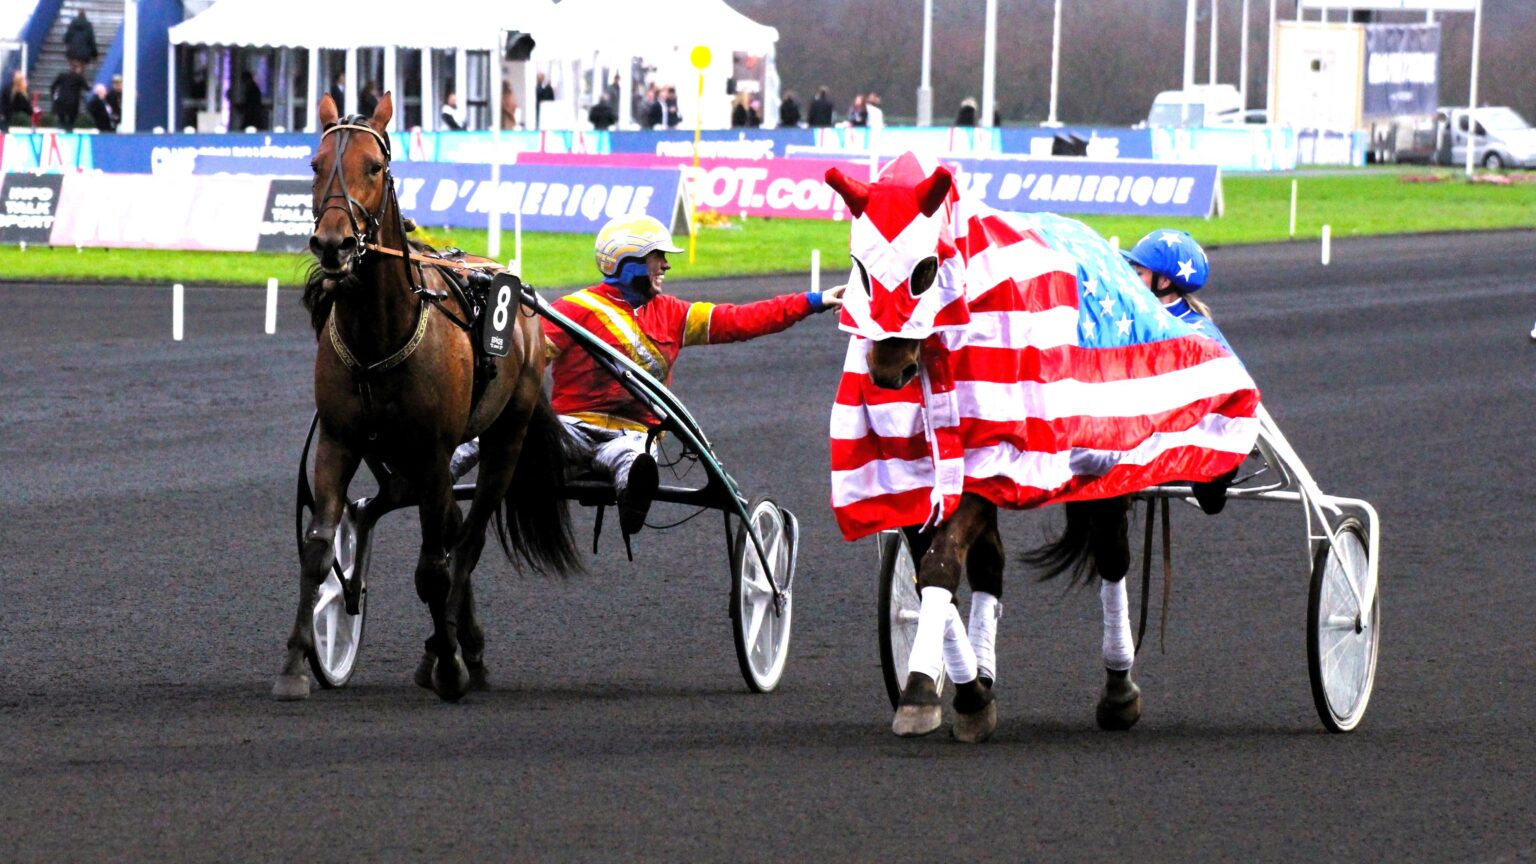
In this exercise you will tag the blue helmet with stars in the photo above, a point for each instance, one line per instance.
(1173, 254)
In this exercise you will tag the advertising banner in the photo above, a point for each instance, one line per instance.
(288, 217)
(148, 212)
(28, 203)
(179, 154)
(1401, 69)
(566, 198)
(713, 143)
(786, 188)
(1239, 148)
(1070, 185)
(46, 152)
(1101, 143)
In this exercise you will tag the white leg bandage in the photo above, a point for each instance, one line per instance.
(959, 657)
(985, 610)
(1119, 651)
(932, 622)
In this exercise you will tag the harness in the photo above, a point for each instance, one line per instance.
(467, 281)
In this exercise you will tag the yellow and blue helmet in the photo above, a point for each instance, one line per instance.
(630, 237)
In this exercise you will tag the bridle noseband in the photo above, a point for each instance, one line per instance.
(367, 232)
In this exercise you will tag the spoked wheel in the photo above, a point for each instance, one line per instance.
(759, 621)
(339, 633)
(1342, 638)
(899, 604)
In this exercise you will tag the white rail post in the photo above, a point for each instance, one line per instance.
(1293, 208)
(177, 293)
(271, 306)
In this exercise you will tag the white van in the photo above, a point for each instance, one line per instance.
(1504, 139)
(1200, 105)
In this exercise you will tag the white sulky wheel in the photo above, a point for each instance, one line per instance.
(338, 635)
(761, 625)
(1342, 638)
(899, 604)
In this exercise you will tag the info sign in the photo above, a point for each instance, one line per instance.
(28, 204)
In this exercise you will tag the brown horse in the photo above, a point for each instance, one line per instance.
(394, 384)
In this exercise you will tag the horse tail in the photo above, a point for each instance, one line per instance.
(534, 520)
(1094, 542)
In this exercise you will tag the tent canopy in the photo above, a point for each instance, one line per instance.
(573, 28)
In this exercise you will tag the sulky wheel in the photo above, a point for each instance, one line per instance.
(1342, 638)
(338, 633)
(899, 604)
(759, 621)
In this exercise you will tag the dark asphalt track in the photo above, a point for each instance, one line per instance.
(149, 579)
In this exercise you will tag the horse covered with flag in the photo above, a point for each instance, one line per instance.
(1007, 360)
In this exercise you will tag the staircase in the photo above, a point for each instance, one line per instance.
(106, 16)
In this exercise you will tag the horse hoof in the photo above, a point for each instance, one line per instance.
(479, 677)
(423, 676)
(915, 721)
(919, 712)
(975, 728)
(450, 679)
(1120, 704)
(290, 688)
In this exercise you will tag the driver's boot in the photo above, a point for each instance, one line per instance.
(636, 493)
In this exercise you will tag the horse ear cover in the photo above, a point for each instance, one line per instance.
(856, 194)
(933, 192)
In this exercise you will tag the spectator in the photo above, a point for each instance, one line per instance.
(789, 110)
(821, 110)
(740, 111)
(968, 112)
(602, 115)
(858, 115)
(669, 99)
(80, 41)
(339, 92)
(875, 117)
(248, 109)
(544, 92)
(612, 92)
(101, 113)
(508, 105)
(115, 99)
(452, 116)
(653, 112)
(18, 100)
(368, 99)
(66, 92)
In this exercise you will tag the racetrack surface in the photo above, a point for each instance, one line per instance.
(148, 581)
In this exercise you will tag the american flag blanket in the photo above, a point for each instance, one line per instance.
(1049, 372)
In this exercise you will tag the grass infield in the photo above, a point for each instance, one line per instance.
(1355, 203)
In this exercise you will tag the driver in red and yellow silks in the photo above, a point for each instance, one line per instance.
(629, 311)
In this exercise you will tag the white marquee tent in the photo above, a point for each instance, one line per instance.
(571, 37)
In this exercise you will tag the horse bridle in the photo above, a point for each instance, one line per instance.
(366, 233)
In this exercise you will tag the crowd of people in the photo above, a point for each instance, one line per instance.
(70, 90)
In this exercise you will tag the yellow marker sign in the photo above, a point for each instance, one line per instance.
(700, 58)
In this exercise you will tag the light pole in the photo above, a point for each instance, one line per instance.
(1477, 41)
(989, 66)
(130, 116)
(925, 89)
(1189, 44)
(1215, 9)
(1242, 69)
(1055, 66)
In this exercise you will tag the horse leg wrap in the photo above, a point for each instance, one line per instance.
(928, 643)
(1119, 652)
(986, 609)
(959, 656)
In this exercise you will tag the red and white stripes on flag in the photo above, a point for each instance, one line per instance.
(1030, 403)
